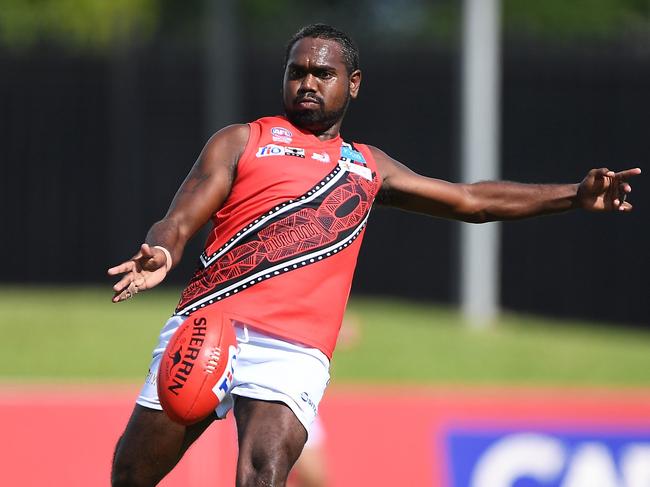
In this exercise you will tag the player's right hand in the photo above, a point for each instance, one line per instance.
(145, 270)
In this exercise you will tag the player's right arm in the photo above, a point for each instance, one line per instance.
(203, 192)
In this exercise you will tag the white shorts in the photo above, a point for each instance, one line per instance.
(267, 368)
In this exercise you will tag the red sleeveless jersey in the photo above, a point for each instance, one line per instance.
(283, 249)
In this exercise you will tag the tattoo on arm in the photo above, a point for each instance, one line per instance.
(198, 176)
(194, 182)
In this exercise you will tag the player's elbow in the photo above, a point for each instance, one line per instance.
(470, 209)
(477, 217)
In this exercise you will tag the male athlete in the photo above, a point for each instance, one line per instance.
(289, 200)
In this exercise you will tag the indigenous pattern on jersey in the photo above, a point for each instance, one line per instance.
(284, 246)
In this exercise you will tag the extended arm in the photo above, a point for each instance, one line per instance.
(601, 190)
(202, 193)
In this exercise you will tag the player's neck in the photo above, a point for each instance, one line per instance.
(322, 133)
(329, 133)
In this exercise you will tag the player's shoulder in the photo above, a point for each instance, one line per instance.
(376, 151)
(272, 119)
(382, 159)
(234, 132)
(226, 144)
(233, 137)
(388, 167)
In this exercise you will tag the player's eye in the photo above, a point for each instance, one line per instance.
(296, 73)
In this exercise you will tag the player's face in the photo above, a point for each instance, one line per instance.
(317, 87)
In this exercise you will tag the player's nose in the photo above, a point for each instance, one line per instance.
(308, 83)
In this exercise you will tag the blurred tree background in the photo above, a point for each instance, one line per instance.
(97, 24)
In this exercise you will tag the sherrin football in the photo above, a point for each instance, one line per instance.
(196, 369)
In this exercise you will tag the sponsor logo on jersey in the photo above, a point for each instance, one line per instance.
(294, 151)
(362, 171)
(279, 150)
(347, 152)
(270, 150)
(280, 134)
(321, 156)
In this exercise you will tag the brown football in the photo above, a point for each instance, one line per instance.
(196, 368)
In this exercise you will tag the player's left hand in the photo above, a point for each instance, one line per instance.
(605, 190)
(145, 270)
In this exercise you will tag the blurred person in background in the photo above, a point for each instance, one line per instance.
(289, 200)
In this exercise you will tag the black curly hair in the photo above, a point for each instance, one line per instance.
(323, 31)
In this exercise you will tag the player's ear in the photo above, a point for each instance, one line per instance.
(355, 83)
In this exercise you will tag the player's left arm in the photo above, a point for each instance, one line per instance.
(600, 190)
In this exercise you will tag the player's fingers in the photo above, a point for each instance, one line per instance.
(625, 206)
(127, 266)
(599, 174)
(620, 194)
(131, 290)
(114, 270)
(139, 284)
(121, 268)
(146, 250)
(628, 173)
(157, 260)
(603, 171)
(599, 179)
(137, 255)
(123, 283)
(121, 296)
(624, 190)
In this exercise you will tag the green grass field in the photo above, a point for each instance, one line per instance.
(75, 334)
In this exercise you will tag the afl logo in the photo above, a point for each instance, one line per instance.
(280, 134)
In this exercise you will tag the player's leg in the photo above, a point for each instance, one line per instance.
(270, 441)
(152, 443)
(277, 387)
(151, 446)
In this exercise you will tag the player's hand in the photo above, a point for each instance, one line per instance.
(145, 270)
(605, 190)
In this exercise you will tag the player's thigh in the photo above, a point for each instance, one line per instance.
(270, 441)
(151, 446)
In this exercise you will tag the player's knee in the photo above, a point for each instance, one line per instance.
(129, 478)
(264, 469)
(127, 474)
(256, 476)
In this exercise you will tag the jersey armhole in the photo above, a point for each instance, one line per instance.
(253, 138)
(367, 153)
